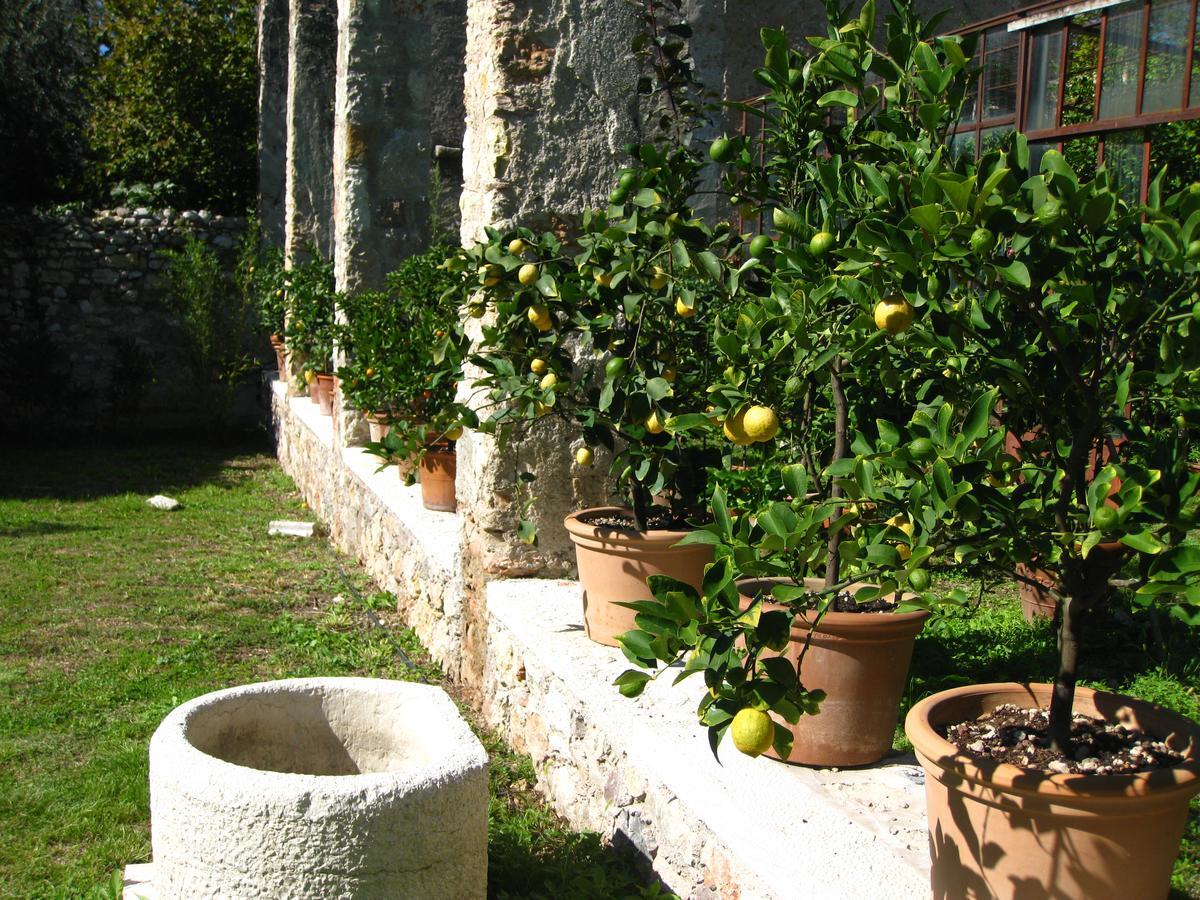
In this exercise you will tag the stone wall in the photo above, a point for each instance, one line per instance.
(83, 323)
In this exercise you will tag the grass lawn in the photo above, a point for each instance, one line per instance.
(112, 613)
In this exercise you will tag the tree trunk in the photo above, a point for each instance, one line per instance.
(641, 506)
(1063, 699)
(841, 441)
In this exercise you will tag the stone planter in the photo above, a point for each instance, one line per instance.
(996, 830)
(861, 662)
(316, 788)
(614, 564)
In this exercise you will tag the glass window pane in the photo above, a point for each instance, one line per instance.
(1081, 154)
(1037, 149)
(1123, 160)
(1044, 76)
(991, 138)
(1122, 57)
(1000, 74)
(971, 104)
(1166, 54)
(1194, 97)
(1174, 145)
(1083, 56)
(963, 144)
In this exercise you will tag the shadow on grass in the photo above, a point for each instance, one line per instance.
(40, 529)
(152, 462)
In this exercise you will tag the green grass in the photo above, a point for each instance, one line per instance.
(1137, 653)
(112, 613)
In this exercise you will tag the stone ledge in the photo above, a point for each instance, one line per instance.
(307, 412)
(640, 772)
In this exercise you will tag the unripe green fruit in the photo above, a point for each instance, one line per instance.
(721, 150)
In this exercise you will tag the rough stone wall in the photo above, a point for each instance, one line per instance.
(308, 199)
(83, 318)
(272, 117)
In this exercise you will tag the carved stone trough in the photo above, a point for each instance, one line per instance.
(319, 788)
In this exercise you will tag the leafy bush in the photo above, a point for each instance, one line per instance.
(310, 302)
(216, 321)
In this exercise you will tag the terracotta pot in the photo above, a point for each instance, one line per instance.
(325, 394)
(437, 479)
(996, 830)
(861, 662)
(377, 424)
(313, 394)
(1037, 601)
(614, 564)
(280, 357)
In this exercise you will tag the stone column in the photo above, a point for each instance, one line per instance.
(308, 198)
(550, 101)
(272, 117)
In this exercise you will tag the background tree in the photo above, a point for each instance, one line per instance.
(44, 56)
(174, 100)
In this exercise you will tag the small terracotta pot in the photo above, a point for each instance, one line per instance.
(438, 468)
(615, 563)
(861, 662)
(313, 393)
(1037, 601)
(280, 357)
(996, 830)
(378, 424)
(325, 394)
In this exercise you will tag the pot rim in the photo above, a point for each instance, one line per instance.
(935, 752)
(581, 531)
(841, 620)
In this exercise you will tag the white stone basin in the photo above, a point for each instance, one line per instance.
(319, 788)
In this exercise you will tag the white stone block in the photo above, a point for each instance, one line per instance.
(319, 788)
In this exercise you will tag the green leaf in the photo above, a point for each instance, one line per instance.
(795, 480)
(711, 264)
(929, 217)
(838, 98)
(657, 388)
(527, 532)
(1016, 273)
(631, 682)
(774, 629)
(1143, 542)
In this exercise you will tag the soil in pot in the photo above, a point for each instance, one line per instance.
(325, 394)
(859, 655)
(615, 559)
(1003, 830)
(438, 468)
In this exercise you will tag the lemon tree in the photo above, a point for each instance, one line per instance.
(310, 299)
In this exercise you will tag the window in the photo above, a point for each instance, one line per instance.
(1117, 86)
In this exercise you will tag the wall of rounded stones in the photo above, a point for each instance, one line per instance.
(85, 335)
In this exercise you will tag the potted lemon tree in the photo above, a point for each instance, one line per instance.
(1062, 310)
(309, 331)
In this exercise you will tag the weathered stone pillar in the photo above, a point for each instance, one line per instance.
(550, 102)
(272, 117)
(308, 199)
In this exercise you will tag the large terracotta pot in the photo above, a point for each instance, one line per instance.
(996, 830)
(325, 394)
(614, 564)
(313, 391)
(280, 357)
(438, 468)
(861, 662)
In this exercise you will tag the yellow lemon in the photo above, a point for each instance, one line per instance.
(491, 275)
(658, 280)
(603, 279)
(528, 274)
(584, 456)
(454, 433)
(735, 429)
(538, 366)
(654, 424)
(516, 247)
(901, 522)
(760, 424)
(540, 408)
(893, 314)
(668, 373)
(539, 317)
(309, 376)
(752, 731)
(684, 311)
(549, 380)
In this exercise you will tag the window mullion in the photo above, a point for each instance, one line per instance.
(1141, 85)
(1062, 72)
(1100, 65)
(1189, 59)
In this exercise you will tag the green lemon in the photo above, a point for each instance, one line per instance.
(615, 367)
(934, 289)
(820, 243)
(628, 179)
(793, 386)
(721, 150)
(918, 580)
(1193, 250)
(760, 246)
(982, 241)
